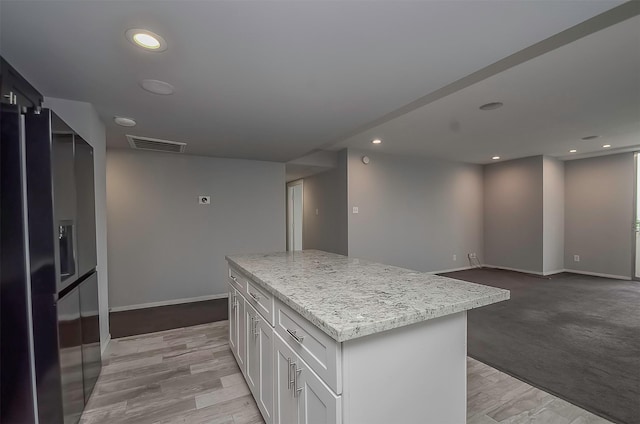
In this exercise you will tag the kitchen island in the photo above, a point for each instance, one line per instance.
(324, 338)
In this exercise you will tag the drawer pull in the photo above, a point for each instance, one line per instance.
(255, 296)
(234, 278)
(296, 389)
(289, 379)
(256, 322)
(293, 334)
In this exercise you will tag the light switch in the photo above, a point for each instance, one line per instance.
(317, 211)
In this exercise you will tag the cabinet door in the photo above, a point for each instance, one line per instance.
(285, 410)
(241, 328)
(233, 322)
(316, 402)
(14, 85)
(265, 354)
(252, 364)
(237, 333)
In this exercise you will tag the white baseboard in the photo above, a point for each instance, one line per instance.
(526, 271)
(575, 271)
(556, 271)
(167, 302)
(463, 268)
(106, 344)
(599, 274)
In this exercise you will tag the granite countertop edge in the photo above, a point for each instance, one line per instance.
(376, 327)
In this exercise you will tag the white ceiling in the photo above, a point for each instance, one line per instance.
(588, 87)
(274, 80)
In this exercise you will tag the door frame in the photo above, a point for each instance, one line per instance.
(289, 234)
(636, 215)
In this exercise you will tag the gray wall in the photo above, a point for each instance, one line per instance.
(83, 118)
(599, 214)
(414, 213)
(326, 192)
(163, 245)
(553, 215)
(513, 215)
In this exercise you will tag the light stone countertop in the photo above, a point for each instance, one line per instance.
(349, 298)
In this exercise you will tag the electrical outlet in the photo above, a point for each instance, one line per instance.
(204, 200)
(355, 209)
(472, 256)
(455, 257)
(576, 258)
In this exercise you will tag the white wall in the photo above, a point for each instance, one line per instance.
(513, 218)
(553, 215)
(414, 213)
(83, 118)
(327, 193)
(599, 214)
(163, 245)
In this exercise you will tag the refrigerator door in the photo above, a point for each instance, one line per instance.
(42, 264)
(17, 386)
(91, 358)
(70, 339)
(64, 200)
(85, 207)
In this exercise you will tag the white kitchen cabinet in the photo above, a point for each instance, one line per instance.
(237, 328)
(252, 361)
(316, 348)
(301, 396)
(335, 362)
(259, 361)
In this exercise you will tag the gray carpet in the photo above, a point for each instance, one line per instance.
(575, 336)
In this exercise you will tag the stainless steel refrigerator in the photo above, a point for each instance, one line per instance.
(50, 350)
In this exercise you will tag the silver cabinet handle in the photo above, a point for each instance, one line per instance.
(296, 389)
(13, 99)
(255, 296)
(234, 278)
(256, 332)
(293, 334)
(289, 380)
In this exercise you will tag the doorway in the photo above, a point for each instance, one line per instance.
(294, 215)
(636, 223)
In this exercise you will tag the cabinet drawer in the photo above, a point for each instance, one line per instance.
(316, 348)
(260, 299)
(238, 281)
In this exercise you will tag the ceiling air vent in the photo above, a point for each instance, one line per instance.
(146, 143)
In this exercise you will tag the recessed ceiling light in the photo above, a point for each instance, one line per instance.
(495, 157)
(572, 151)
(606, 146)
(146, 39)
(157, 87)
(590, 137)
(124, 122)
(376, 141)
(491, 106)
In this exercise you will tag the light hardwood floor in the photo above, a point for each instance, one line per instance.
(189, 375)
